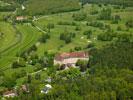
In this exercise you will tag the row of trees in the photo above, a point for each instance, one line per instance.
(66, 23)
(118, 2)
(20, 1)
(107, 36)
(105, 14)
(7, 8)
(37, 7)
(96, 24)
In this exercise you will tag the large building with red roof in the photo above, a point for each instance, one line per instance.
(70, 58)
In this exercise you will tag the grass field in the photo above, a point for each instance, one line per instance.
(54, 44)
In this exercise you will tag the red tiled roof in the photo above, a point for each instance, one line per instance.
(71, 55)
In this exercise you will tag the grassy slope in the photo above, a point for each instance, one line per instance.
(54, 42)
(9, 36)
(34, 7)
(30, 36)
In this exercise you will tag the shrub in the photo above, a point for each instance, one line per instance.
(79, 16)
(116, 19)
(19, 74)
(19, 63)
(129, 23)
(1, 35)
(7, 8)
(78, 28)
(37, 67)
(83, 64)
(90, 45)
(50, 26)
(105, 37)
(108, 27)
(105, 14)
(119, 28)
(78, 48)
(124, 37)
(88, 33)
(97, 24)
(67, 37)
(44, 37)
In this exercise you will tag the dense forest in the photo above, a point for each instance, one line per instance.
(108, 78)
(117, 55)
